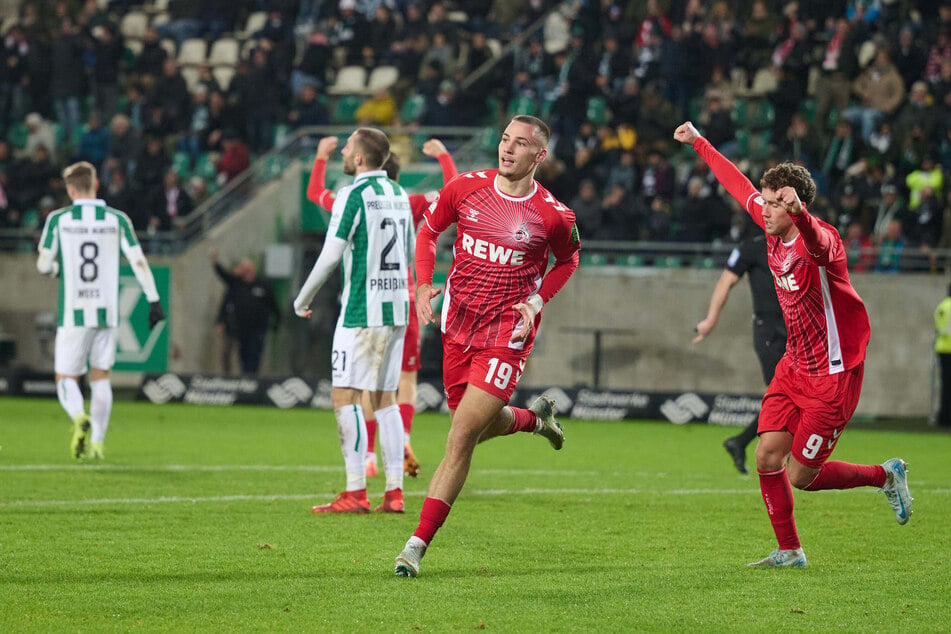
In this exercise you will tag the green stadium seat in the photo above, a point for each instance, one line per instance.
(808, 108)
(205, 167)
(631, 260)
(760, 144)
(345, 108)
(493, 110)
(182, 164)
(593, 259)
(597, 110)
(412, 109)
(764, 116)
(17, 134)
(521, 105)
(740, 113)
(669, 262)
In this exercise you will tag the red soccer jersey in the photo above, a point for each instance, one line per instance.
(499, 257)
(828, 327)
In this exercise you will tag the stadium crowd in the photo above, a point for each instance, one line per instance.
(170, 99)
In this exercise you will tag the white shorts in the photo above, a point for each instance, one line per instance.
(77, 345)
(367, 358)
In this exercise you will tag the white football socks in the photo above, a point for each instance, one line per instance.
(389, 433)
(353, 444)
(100, 407)
(70, 397)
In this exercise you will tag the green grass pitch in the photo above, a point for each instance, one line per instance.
(199, 520)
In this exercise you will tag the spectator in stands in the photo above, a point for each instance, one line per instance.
(859, 248)
(308, 110)
(171, 95)
(909, 56)
(532, 70)
(220, 118)
(190, 140)
(94, 142)
(108, 49)
(349, 30)
(206, 80)
(14, 75)
(836, 69)
(623, 172)
(587, 207)
(67, 77)
(755, 43)
(890, 207)
(626, 105)
(197, 189)
(118, 195)
(39, 133)
(382, 30)
(150, 165)
(184, 20)
(890, 248)
(378, 110)
(262, 100)
(657, 178)
(441, 110)
(32, 178)
(153, 55)
(926, 175)
(718, 126)
(924, 224)
(843, 149)
(786, 99)
(621, 218)
(881, 91)
(940, 50)
(802, 142)
(314, 62)
(613, 64)
(170, 204)
(10, 215)
(277, 37)
(124, 146)
(219, 17)
(657, 117)
(235, 159)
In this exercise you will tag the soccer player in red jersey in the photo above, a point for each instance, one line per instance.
(318, 194)
(817, 383)
(507, 225)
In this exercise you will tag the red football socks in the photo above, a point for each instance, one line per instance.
(431, 518)
(836, 474)
(524, 420)
(371, 435)
(778, 496)
(406, 413)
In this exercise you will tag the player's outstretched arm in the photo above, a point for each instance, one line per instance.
(316, 190)
(326, 262)
(721, 293)
(686, 133)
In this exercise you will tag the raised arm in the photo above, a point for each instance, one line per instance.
(316, 192)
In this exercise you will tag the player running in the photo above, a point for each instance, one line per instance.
(406, 393)
(507, 225)
(81, 244)
(817, 383)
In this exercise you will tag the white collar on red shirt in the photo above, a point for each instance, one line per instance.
(512, 198)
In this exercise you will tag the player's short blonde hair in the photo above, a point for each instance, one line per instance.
(80, 176)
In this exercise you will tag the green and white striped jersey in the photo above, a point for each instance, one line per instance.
(374, 216)
(85, 239)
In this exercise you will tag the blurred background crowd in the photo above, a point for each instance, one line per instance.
(171, 99)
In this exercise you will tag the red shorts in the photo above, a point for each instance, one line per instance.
(492, 370)
(411, 340)
(814, 409)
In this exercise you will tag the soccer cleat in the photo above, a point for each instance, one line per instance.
(96, 451)
(346, 502)
(81, 427)
(371, 468)
(738, 452)
(782, 559)
(410, 463)
(549, 428)
(407, 562)
(896, 489)
(392, 502)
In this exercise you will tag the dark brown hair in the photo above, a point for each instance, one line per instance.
(373, 145)
(392, 166)
(790, 175)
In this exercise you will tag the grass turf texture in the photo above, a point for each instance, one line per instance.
(199, 520)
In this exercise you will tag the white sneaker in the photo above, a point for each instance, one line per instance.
(407, 562)
(549, 428)
(782, 559)
(896, 489)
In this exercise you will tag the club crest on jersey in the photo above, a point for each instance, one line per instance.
(521, 234)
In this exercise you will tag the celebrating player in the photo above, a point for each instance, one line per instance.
(406, 393)
(817, 383)
(506, 227)
(371, 230)
(81, 244)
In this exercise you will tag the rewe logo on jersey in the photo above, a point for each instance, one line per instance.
(787, 282)
(491, 252)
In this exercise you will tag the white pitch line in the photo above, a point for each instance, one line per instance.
(314, 496)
